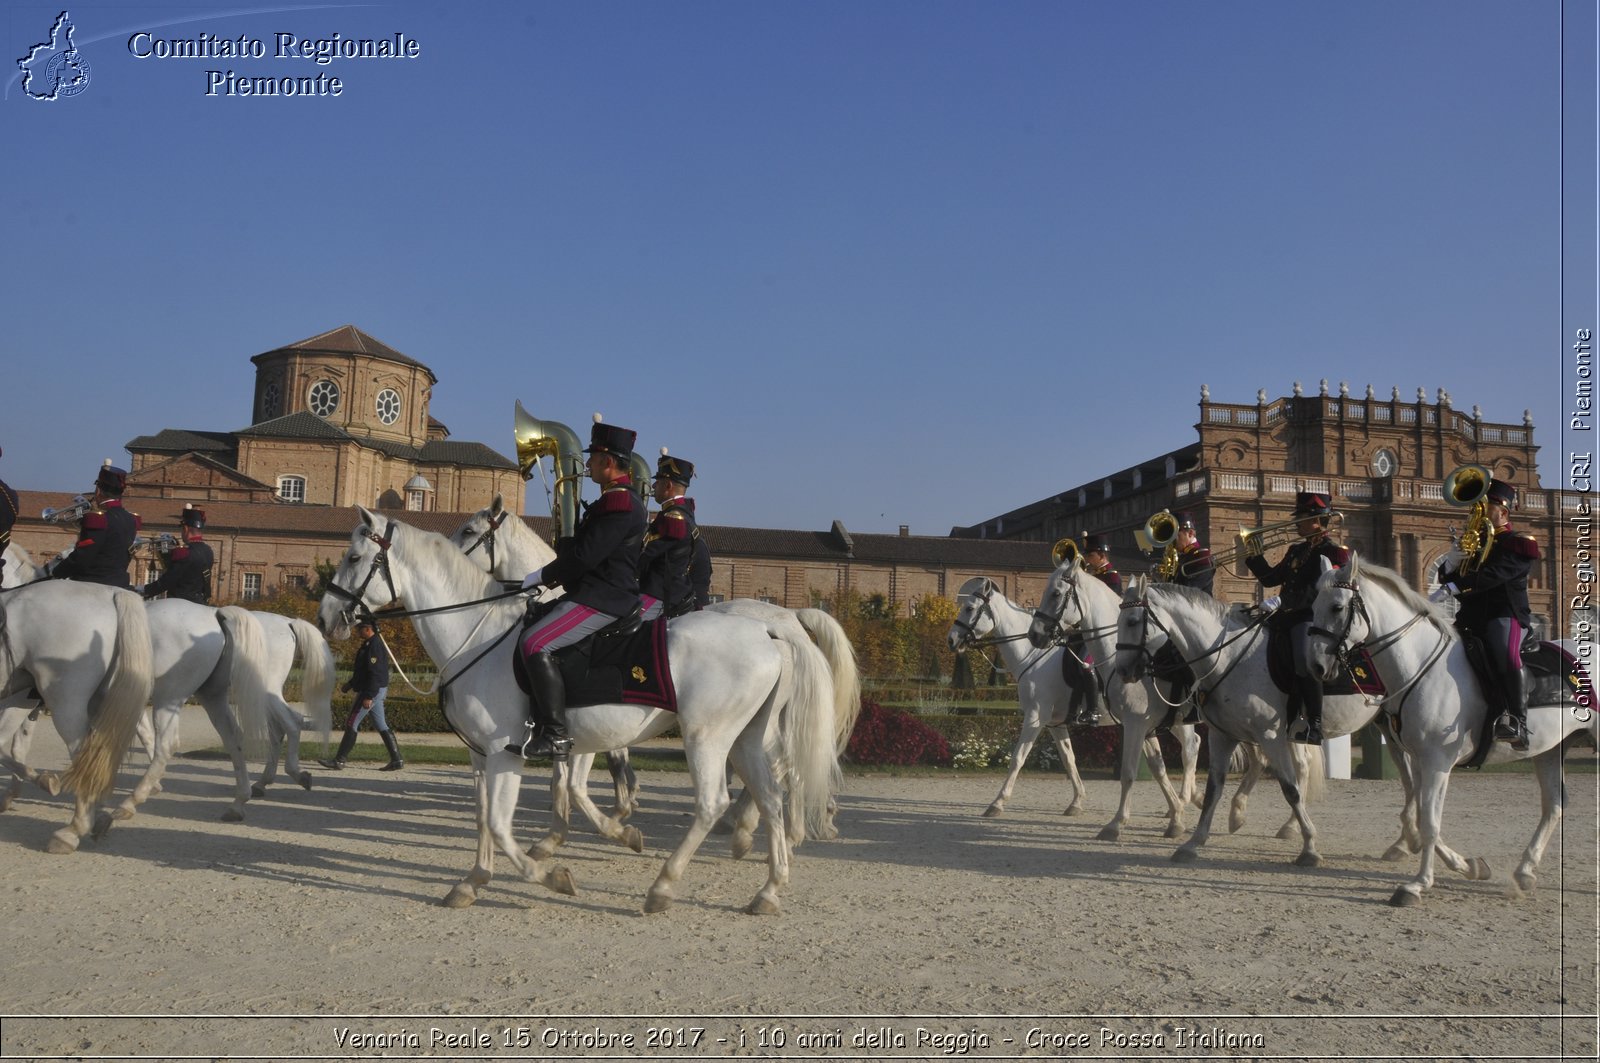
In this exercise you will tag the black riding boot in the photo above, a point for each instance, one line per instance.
(1512, 725)
(1311, 707)
(1091, 703)
(547, 732)
(393, 746)
(346, 744)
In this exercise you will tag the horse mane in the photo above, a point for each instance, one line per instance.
(1199, 598)
(1395, 584)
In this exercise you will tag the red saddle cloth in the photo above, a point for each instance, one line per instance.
(627, 669)
(1359, 678)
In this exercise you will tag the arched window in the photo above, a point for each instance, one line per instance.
(292, 488)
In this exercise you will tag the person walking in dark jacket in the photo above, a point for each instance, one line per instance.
(369, 681)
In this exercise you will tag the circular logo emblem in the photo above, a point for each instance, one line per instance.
(67, 73)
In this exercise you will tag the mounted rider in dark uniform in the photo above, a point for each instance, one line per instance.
(1077, 665)
(665, 584)
(1493, 605)
(1297, 573)
(105, 535)
(189, 564)
(598, 568)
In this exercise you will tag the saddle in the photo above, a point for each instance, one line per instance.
(1359, 678)
(1556, 677)
(624, 663)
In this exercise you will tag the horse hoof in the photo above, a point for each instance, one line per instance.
(1174, 830)
(633, 838)
(462, 896)
(762, 906)
(542, 851)
(741, 845)
(1478, 871)
(722, 826)
(1287, 831)
(1525, 882)
(6, 802)
(1109, 834)
(50, 783)
(1184, 856)
(102, 824)
(1404, 898)
(62, 842)
(1234, 823)
(993, 810)
(1396, 852)
(122, 812)
(258, 791)
(560, 881)
(305, 780)
(657, 902)
(1308, 860)
(1074, 809)
(233, 816)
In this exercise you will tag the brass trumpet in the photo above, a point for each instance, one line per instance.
(68, 514)
(1255, 542)
(1469, 486)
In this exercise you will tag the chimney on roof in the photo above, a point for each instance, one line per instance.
(844, 539)
(905, 530)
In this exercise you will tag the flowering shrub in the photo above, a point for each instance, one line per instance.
(975, 750)
(891, 736)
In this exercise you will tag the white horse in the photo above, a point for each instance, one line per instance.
(1089, 606)
(86, 649)
(505, 547)
(1438, 704)
(20, 714)
(287, 638)
(1227, 650)
(731, 680)
(216, 657)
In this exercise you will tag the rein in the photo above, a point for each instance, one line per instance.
(1342, 648)
(1223, 642)
(487, 539)
(972, 640)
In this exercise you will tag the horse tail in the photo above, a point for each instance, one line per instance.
(317, 675)
(811, 753)
(841, 657)
(1310, 775)
(247, 676)
(117, 705)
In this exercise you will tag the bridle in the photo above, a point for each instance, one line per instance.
(1148, 659)
(380, 563)
(1342, 649)
(971, 640)
(1053, 620)
(488, 537)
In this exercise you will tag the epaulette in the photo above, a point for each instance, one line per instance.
(618, 501)
(94, 521)
(180, 553)
(670, 525)
(1523, 545)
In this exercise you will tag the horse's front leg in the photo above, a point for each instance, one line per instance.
(1222, 746)
(1069, 763)
(1552, 803)
(1410, 840)
(465, 892)
(1134, 729)
(1433, 779)
(1032, 724)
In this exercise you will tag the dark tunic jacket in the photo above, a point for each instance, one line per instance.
(664, 564)
(1298, 572)
(8, 517)
(1200, 575)
(599, 565)
(700, 572)
(1498, 587)
(101, 554)
(188, 574)
(370, 671)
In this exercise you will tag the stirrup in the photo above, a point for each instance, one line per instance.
(1510, 729)
(538, 743)
(1311, 736)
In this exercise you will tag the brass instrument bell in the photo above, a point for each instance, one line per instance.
(1066, 550)
(1469, 486)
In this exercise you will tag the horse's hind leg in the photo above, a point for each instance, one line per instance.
(756, 768)
(163, 742)
(623, 782)
(1222, 748)
(577, 792)
(1552, 803)
(1031, 726)
(1189, 740)
(269, 773)
(1247, 785)
(707, 763)
(742, 817)
(84, 820)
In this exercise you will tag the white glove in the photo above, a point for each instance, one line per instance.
(533, 579)
(1451, 589)
(1440, 594)
(138, 588)
(1269, 604)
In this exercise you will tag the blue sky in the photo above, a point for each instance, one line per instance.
(886, 261)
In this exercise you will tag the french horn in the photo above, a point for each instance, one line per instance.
(1468, 486)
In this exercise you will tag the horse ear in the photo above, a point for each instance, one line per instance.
(1327, 566)
(498, 506)
(369, 518)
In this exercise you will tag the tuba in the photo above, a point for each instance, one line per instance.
(1065, 551)
(1469, 486)
(538, 439)
(1160, 532)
